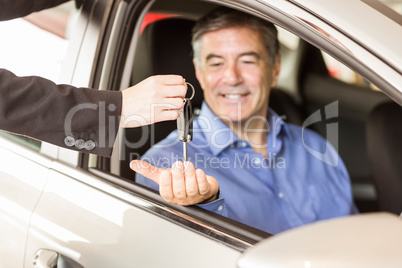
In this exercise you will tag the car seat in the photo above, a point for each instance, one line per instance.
(165, 48)
(384, 131)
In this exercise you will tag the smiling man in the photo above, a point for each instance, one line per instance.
(245, 162)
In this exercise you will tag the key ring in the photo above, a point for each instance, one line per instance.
(192, 96)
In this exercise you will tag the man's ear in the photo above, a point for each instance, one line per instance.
(276, 69)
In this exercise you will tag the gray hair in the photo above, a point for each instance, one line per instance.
(223, 17)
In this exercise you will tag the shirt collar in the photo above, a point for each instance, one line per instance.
(219, 136)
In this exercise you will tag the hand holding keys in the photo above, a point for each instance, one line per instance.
(182, 184)
(185, 134)
(185, 123)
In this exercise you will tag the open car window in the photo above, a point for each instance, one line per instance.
(308, 78)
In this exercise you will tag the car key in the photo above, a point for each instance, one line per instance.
(185, 123)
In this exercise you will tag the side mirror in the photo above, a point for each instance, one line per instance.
(360, 241)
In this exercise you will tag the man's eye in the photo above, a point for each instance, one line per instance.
(215, 64)
(248, 61)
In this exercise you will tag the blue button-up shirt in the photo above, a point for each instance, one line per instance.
(301, 181)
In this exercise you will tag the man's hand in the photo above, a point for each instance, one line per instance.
(182, 184)
(157, 98)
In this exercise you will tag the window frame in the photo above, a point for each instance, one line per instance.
(206, 223)
(119, 78)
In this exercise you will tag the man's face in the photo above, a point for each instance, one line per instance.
(235, 73)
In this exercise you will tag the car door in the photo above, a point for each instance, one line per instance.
(23, 174)
(317, 34)
(25, 50)
(88, 217)
(91, 223)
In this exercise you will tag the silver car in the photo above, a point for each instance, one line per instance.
(60, 208)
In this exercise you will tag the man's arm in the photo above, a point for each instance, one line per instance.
(182, 184)
(59, 114)
(11, 9)
(84, 119)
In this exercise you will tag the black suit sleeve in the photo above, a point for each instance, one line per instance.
(81, 119)
(11, 9)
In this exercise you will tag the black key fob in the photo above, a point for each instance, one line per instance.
(185, 122)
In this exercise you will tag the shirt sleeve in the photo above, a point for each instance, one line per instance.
(11, 9)
(146, 182)
(81, 119)
(217, 206)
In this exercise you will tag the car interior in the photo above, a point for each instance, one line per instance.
(164, 48)
(383, 144)
(171, 53)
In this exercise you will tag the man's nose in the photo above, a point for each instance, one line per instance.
(232, 75)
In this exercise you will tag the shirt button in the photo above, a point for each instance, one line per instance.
(69, 141)
(257, 161)
(280, 195)
(89, 145)
(243, 144)
(79, 144)
(220, 208)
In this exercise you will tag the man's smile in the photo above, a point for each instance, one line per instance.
(234, 96)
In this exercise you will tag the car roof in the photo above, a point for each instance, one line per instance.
(369, 23)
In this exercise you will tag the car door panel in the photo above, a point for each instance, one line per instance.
(97, 225)
(23, 175)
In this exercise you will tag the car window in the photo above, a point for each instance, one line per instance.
(310, 82)
(164, 47)
(394, 4)
(36, 45)
(343, 73)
